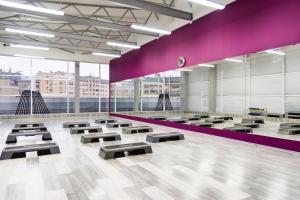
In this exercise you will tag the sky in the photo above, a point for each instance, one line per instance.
(24, 64)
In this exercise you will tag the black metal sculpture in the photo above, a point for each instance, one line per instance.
(38, 104)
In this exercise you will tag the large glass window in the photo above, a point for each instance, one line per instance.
(15, 77)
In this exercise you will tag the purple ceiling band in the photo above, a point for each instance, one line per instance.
(244, 26)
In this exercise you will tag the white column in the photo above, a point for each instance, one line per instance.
(77, 87)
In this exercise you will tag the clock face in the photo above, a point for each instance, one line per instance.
(181, 62)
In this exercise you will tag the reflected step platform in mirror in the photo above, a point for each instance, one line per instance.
(180, 121)
(137, 129)
(75, 124)
(289, 131)
(163, 137)
(250, 125)
(215, 121)
(239, 129)
(202, 124)
(89, 129)
(95, 137)
(191, 118)
(202, 116)
(289, 125)
(276, 115)
(12, 137)
(226, 118)
(104, 121)
(253, 120)
(20, 151)
(158, 117)
(24, 125)
(116, 151)
(118, 124)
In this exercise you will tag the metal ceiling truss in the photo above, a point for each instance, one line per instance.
(93, 29)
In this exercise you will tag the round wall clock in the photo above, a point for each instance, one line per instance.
(181, 61)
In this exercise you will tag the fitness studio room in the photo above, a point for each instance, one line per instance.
(150, 99)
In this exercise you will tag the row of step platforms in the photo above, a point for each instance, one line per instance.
(92, 134)
(25, 130)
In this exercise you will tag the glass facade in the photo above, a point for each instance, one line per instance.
(54, 81)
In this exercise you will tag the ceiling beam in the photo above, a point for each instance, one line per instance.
(55, 45)
(157, 9)
(67, 35)
(78, 20)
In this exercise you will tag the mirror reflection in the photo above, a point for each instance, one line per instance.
(256, 93)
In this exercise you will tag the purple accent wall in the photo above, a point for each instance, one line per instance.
(290, 145)
(245, 26)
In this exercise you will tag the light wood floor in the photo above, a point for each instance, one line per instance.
(201, 167)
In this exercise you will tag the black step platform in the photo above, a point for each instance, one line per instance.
(276, 115)
(118, 124)
(115, 151)
(104, 121)
(75, 124)
(89, 129)
(95, 137)
(214, 121)
(23, 125)
(137, 129)
(253, 120)
(293, 116)
(239, 129)
(202, 116)
(224, 118)
(180, 121)
(289, 131)
(191, 118)
(202, 124)
(289, 125)
(163, 137)
(20, 151)
(28, 129)
(158, 117)
(12, 137)
(250, 125)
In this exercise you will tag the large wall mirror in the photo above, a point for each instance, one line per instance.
(257, 93)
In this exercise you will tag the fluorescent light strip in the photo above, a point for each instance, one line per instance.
(275, 52)
(184, 70)
(233, 60)
(149, 29)
(209, 4)
(122, 45)
(25, 56)
(31, 8)
(28, 32)
(205, 65)
(107, 55)
(28, 47)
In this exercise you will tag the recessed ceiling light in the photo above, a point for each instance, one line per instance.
(209, 4)
(28, 47)
(149, 29)
(26, 56)
(31, 8)
(107, 55)
(233, 60)
(184, 70)
(28, 32)
(275, 52)
(123, 45)
(205, 65)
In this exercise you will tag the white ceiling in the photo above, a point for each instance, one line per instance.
(102, 10)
